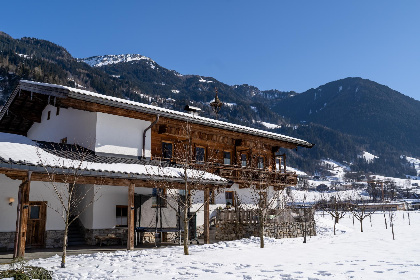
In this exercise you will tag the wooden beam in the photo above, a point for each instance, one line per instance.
(130, 218)
(22, 219)
(95, 107)
(207, 216)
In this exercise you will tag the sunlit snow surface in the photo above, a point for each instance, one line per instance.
(348, 255)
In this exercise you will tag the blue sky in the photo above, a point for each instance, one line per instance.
(285, 45)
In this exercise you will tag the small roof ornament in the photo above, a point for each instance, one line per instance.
(216, 104)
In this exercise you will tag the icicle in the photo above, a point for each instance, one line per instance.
(55, 99)
(31, 95)
(49, 97)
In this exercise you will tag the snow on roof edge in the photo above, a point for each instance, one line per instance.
(93, 96)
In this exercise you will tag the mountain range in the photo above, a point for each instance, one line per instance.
(343, 118)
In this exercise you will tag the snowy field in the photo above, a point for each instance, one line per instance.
(348, 255)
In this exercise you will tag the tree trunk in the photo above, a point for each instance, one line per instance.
(261, 233)
(186, 229)
(361, 225)
(393, 235)
(334, 227)
(63, 257)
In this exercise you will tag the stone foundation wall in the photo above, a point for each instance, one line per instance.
(54, 238)
(235, 230)
(91, 233)
(7, 240)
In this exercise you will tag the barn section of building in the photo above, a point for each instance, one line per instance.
(113, 128)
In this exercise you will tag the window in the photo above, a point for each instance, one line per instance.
(158, 198)
(121, 215)
(262, 203)
(49, 115)
(278, 163)
(226, 158)
(166, 150)
(260, 163)
(230, 198)
(34, 212)
(200, 154)
(58, 111)
(243, 160)
(211, 198)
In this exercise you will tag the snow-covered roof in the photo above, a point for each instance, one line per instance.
(20, 152)
(89, 96)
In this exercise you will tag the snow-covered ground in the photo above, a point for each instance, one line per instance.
(348, 255)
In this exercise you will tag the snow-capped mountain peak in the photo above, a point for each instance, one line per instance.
(101, 60)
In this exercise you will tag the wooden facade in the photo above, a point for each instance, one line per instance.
(260, 153)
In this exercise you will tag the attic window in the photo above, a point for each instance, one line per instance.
(226, 158)
(200, 154)
(243, 160)
(49, 115)
(166, 150)
(260, 163)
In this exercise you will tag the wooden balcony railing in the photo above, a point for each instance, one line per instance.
(243, 176)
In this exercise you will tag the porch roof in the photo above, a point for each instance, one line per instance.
(21, 153)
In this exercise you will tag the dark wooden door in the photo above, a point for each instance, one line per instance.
(36, 224)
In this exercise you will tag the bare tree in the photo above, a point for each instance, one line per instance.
(391, 215)
(336, 207)
(361, 210)
(261, 197)
(196, 167)
(64, 173)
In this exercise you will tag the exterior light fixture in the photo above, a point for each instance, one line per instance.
(11, 200)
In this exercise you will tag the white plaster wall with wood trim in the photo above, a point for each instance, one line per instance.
(8, 213)
(76, 125)
(104, 209)
(44, 191)
(38, 192)
(84, 209)
(121, 135)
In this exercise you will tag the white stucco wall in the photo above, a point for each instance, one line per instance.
(103, 213)
(43, 191)
(121, 135)
(77, 125)
(8, 188)
(103, 133)
(86, 212)
(39, 191)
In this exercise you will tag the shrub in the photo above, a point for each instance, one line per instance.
(19, 270)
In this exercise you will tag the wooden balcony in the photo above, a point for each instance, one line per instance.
(244, 176)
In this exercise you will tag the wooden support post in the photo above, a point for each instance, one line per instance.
(207, 216)
(22, 217)
(130, 217)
